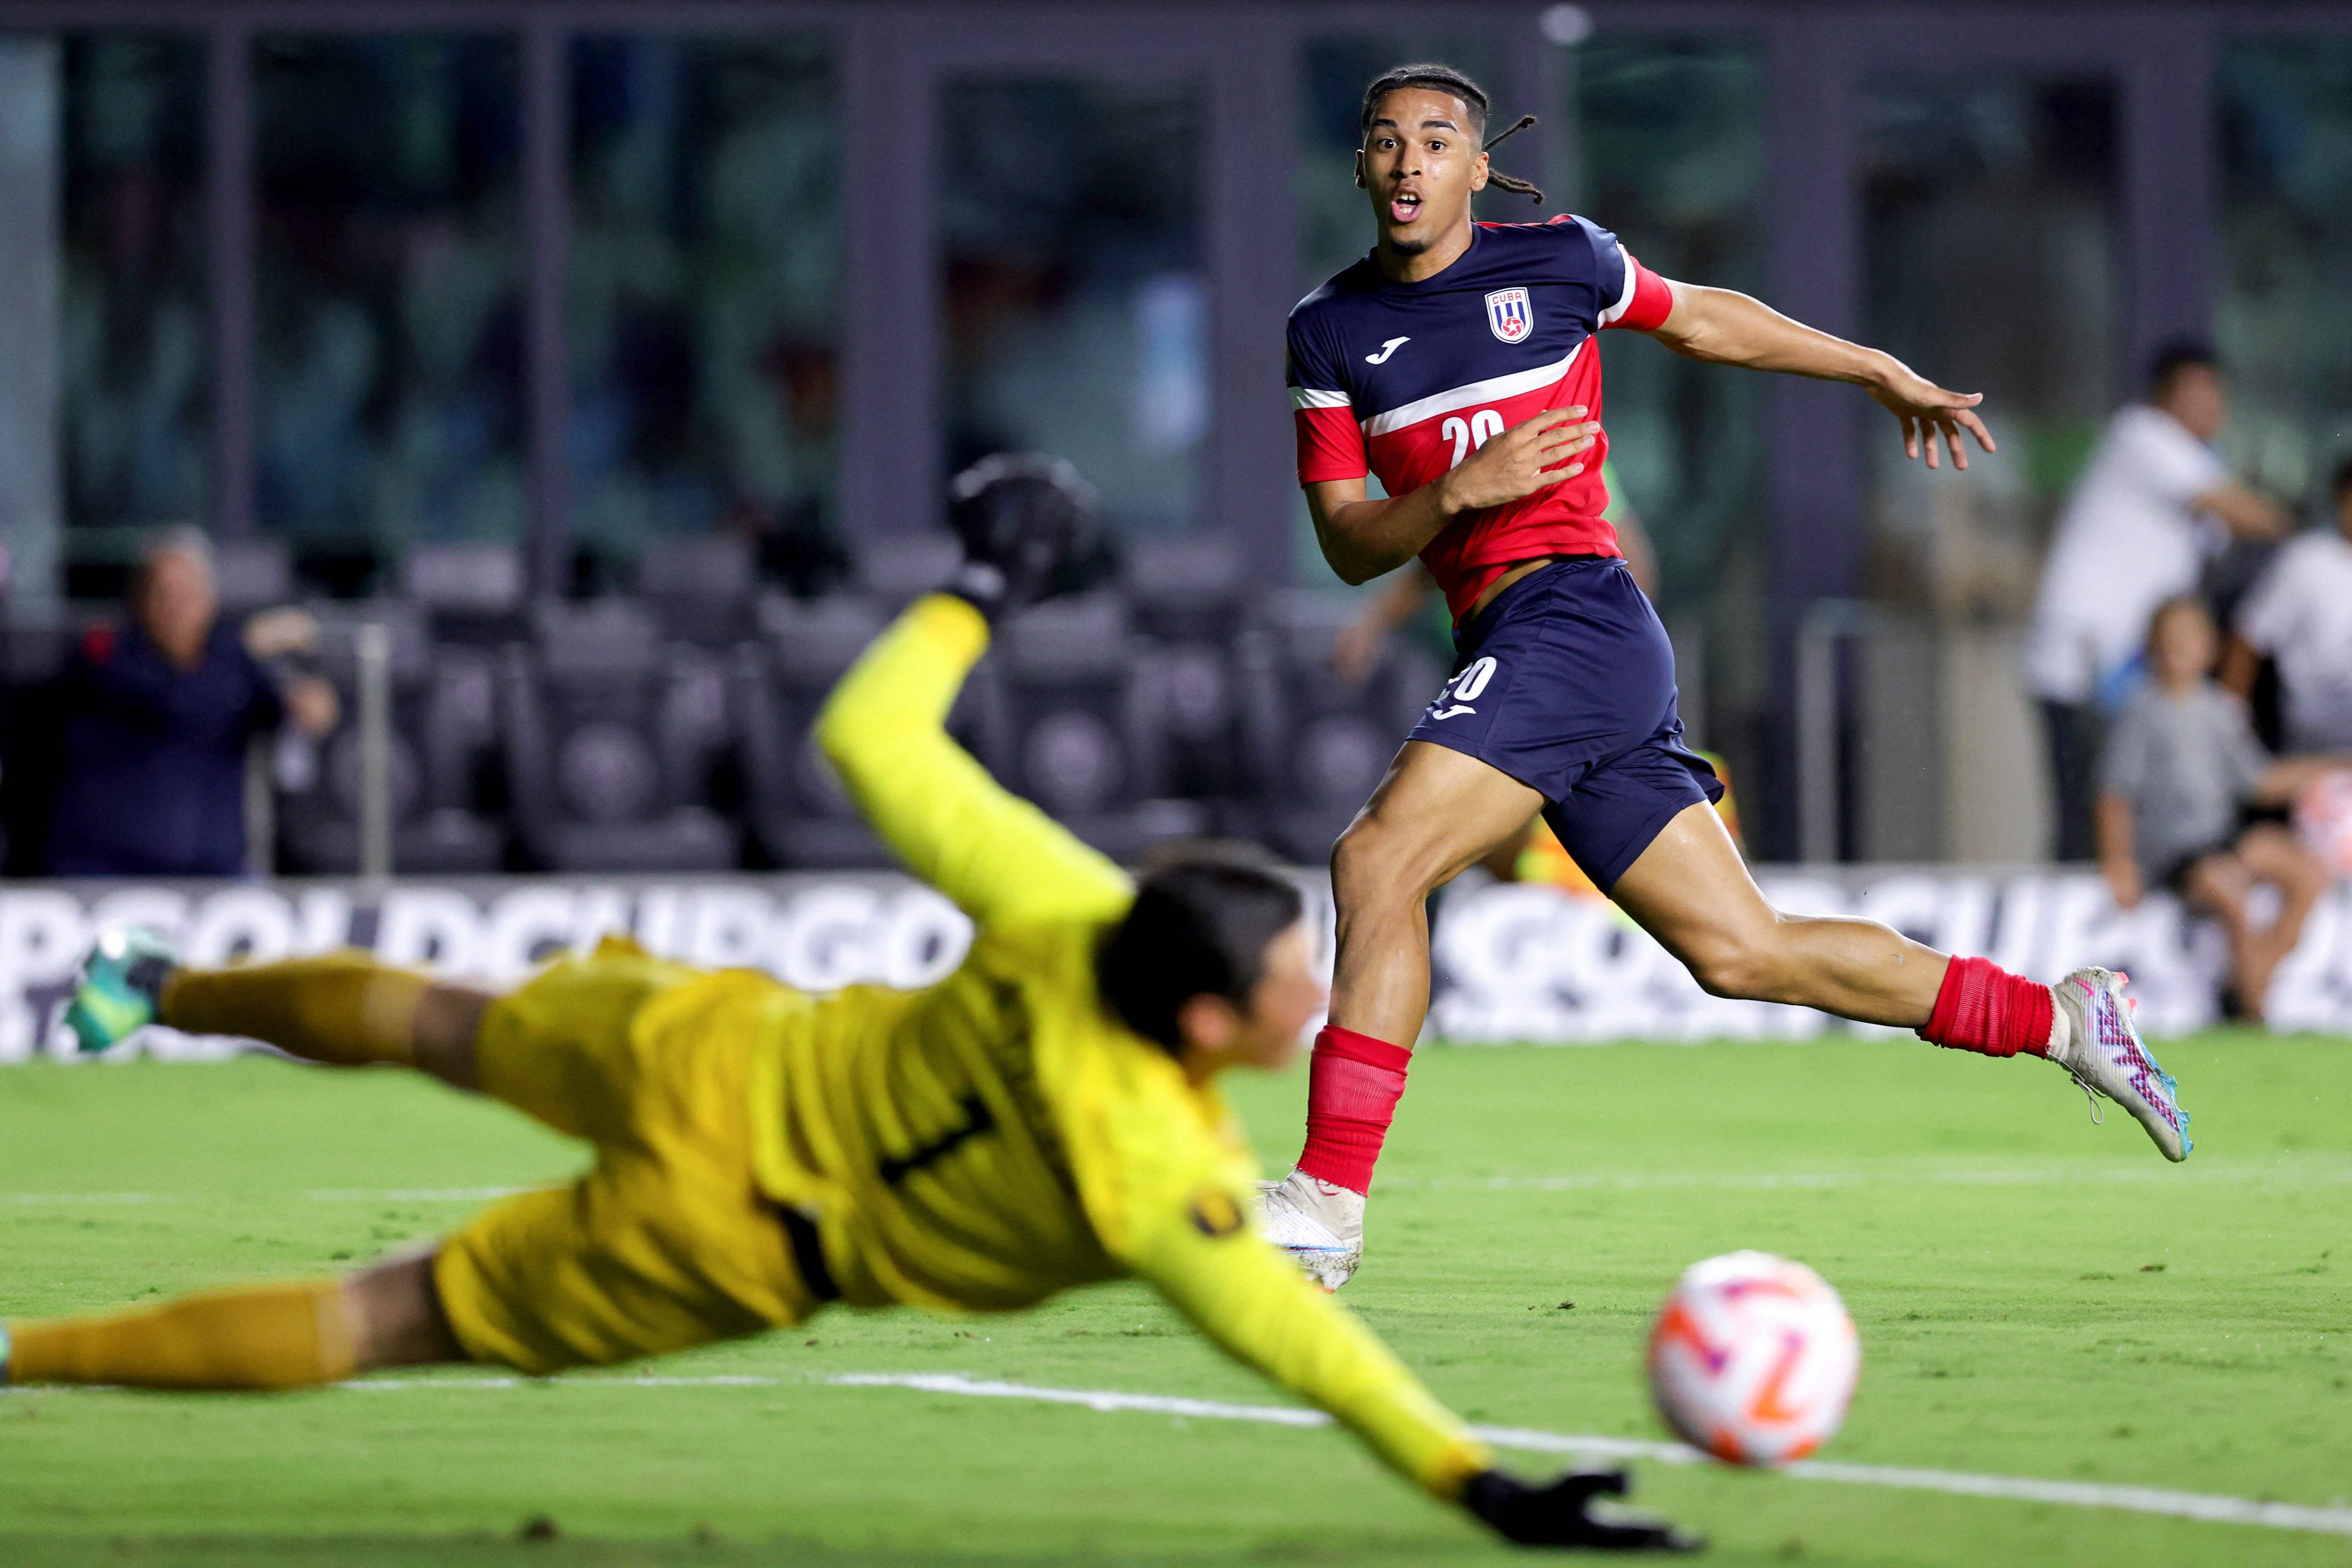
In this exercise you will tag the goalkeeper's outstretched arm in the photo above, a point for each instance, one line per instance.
(884, 729)
(1259, 1309)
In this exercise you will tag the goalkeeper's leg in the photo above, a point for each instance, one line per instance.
(258, 1337)
(345, 1009)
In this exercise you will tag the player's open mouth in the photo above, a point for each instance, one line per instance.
(1403, 208)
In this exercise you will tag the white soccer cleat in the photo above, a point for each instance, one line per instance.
(2103, 1050)
(1319, 1225)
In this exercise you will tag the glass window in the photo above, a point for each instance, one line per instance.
(1991, 264)
(2285, 257)
(134, 334)
(388, 293)
(1669, 133)
(703, 295)
(1076, 309)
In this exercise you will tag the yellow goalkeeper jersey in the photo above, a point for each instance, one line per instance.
(1000, 1136)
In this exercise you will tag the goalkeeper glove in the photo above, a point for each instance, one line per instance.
(1028, 530)
(1560, 1514)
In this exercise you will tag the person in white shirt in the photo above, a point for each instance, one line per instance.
(2299, 613)
(2154, 502)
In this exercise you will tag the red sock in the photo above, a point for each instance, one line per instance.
(1983, 1008)
(1353, 1085)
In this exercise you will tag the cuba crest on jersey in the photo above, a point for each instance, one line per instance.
(1508, 314)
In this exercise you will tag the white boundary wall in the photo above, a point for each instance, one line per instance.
(1527, 963)
(1514, 963)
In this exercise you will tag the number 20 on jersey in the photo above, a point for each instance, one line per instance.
(1471, 434)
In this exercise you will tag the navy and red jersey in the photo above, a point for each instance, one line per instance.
(1405, 380)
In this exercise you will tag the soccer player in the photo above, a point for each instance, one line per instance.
(1456, 362)
(1045, 1118)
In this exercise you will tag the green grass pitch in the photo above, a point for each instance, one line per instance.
(2037, 1297)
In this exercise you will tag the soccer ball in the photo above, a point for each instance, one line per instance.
(2323, 816)
(1753, 1359)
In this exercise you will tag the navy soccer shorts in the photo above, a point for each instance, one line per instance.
(1566, 682)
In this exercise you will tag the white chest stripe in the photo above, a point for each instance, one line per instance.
(1491, 391)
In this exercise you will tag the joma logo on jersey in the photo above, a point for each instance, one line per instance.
(1509, 314)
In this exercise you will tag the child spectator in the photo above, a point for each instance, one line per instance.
(2136, 531)
(2181, 762)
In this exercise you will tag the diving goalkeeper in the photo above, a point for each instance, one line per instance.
(1043, 1118)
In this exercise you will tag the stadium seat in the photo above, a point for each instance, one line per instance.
(1185, 590)
(611, 740)
(701, 589)
(798, 816)
(472, 594)
(31, 734)
(1316, 745)
(1187, 596)
(1072, 715)
(251, 574)
(440, 746)
(895, 570)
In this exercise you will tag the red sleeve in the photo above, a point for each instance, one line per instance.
(1331, 442)
(1330, 446)
(1646, 302)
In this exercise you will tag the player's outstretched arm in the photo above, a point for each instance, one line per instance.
(884, 729)
(1161, 1198)
(1726, 328)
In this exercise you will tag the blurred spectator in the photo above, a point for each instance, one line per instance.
(2133, 535)
(2181, 765)
(799, 549)
(2300, 614)
(156, 721)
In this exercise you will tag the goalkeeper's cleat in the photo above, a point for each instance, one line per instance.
(1319, 1225)
(2103, 1050)
(120, 987)
(1027, 524)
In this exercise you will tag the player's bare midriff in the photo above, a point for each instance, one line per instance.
(1510, 575)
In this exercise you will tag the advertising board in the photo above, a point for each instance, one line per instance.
(1512, 962)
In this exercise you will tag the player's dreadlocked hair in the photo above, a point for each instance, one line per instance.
(1445, 78)
(1200, 924)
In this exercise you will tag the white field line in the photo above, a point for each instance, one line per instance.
(2283, 1174)
(2205, 1506)
(419, 1194)
(1768, 1181)
(322, 1194)
(502, 1385)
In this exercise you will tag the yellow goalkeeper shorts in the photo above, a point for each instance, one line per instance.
(666, 1242)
